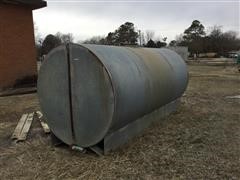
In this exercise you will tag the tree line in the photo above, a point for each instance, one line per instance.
(127, 34)
(194, 37)
(198, 40)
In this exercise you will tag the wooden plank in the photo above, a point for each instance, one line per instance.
(45, 127)
(19, 126)
(39, 114)
(26, 127)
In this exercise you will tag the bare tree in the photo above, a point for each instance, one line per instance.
(38, 41)
(222, 42)
(95, 40)
(38, 37)
(149, 34)
(215, 30)
(179, 39)
(143, 38)
(65, 38)
(164, 39)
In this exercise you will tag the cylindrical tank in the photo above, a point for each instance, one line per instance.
(88, 91)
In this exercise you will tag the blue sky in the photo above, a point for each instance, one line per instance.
(85, 19)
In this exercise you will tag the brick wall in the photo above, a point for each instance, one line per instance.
(17, 47)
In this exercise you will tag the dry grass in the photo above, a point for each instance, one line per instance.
(200, 141)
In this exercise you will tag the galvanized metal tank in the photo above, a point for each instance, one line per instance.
(89, 92)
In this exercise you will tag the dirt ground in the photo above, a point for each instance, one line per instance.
(199, 141)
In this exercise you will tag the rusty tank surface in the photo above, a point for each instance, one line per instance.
(96, 96)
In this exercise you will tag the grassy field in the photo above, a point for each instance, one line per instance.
(199, 141)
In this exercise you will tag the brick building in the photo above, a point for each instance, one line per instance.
(17, 46)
